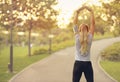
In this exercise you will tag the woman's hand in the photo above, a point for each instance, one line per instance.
(88, 8)
(80, 9)
(84, 7)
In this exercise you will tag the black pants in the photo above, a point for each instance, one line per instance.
(86, 68)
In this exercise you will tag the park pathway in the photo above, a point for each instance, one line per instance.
(58, 66)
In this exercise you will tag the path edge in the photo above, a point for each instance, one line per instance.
(16, 75)
(99, 59)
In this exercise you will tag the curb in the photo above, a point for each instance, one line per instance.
(105, 71)
(16, 75)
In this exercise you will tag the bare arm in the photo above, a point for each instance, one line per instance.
(76, 15)
(92, 20)
(75, 18)
(75, 28)
(75, 21)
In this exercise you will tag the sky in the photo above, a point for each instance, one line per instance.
(67, 8)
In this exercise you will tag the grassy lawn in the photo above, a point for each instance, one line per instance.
(111, 60)
(21, 59)
(112, 68)
(99, 36)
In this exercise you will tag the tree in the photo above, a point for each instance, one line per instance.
(39, 14)
(8, 20)
(30, 14)
(21, 12)
(112, 11)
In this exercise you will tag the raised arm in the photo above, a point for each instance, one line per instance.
(92, 26)
(75, 18)
(92, 20)
(76, 15)
(75, 21)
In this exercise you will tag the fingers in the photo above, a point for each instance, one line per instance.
(88, 8)
(80, 9)
(77, 11)
(84, 7)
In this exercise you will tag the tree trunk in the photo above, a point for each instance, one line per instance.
(29, 40)
(29, 43)
(10, 65)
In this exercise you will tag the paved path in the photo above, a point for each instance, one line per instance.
(58, 67)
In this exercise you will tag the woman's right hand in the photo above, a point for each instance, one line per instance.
(80, 9)
(84, 7)
(88, 8)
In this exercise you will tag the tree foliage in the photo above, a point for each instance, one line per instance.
(38, 12)
(29, 14)
(112, 11)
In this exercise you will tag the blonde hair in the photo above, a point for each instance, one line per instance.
(84, 41)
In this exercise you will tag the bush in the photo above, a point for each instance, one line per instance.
(55, 47)
(40, 51)
(116, 32)
(112, 52)
(62, 45)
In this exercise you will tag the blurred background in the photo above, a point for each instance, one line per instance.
(33, 29)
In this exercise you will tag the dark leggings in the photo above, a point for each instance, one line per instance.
(86, 68)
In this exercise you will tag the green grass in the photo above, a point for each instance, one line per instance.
(111, 60)
(112, 68)
(21, 60)
(106, 35)
(112, 52)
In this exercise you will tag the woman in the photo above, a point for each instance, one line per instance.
(83, 39)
